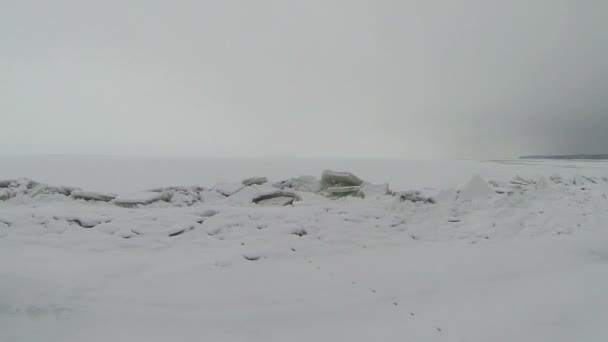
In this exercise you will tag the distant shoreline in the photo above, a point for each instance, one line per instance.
(569, 156)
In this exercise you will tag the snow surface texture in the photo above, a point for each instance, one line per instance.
(500, 258)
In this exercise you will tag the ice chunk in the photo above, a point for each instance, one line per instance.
(254, 180)
(36, 189)
(180, 229)
(93, 196)
(183, 199)
(301, 183)
(582, 180)
(228, 189)
(279, 201)
(373, 190)
(306, 183)
(331, 178)
(448, 195)
(57, 227)
(282, 184)
(86, 221)
(265, 197)
(4, 194)
(208, 213)
(543, 184)
(108, 228)
(5, 183)
(140, 198)
(342, 191)
(211, 196)
(415, 196)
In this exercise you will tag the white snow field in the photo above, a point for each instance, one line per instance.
(143, 249)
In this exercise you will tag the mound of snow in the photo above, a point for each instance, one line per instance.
(476, 188)
(448, 195)
(543, 184)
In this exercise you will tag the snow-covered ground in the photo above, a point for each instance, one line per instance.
(519, 253)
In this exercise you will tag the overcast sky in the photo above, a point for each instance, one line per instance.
(352, 78)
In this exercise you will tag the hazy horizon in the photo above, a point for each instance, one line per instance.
(351, 79)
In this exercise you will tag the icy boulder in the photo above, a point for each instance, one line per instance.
(254, 180)
(141, 198)
(476, 188)
(331, 179)
(93, 196)
(373, 190)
